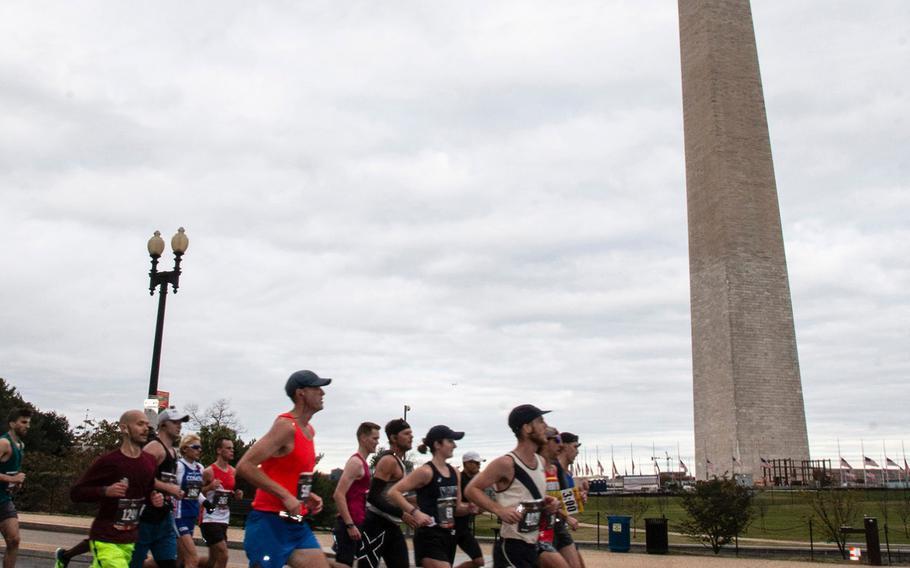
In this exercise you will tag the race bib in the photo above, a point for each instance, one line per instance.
(128, 513)
(222, 498)
(530, 516)
(445, 512)
(570, 501)
(193, 488)
(304, 485)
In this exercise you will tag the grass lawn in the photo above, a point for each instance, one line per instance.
(778, 516)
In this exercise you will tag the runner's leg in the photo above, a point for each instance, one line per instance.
(308, 558)
(10, 529)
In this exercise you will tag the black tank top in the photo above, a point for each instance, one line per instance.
(152, 514)
(439, 487)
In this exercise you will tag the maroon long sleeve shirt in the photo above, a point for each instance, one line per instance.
(107, 470)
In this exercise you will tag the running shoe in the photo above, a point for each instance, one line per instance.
(59, 560)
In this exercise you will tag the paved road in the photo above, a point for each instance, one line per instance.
(38, 545)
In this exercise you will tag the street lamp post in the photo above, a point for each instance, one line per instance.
(160, 280)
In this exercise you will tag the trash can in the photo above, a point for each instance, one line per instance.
(656, 541)
(620, 539)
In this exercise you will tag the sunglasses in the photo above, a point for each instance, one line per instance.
(195, 447)
(556, 438)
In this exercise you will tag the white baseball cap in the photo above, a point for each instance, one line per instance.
(171, 414)
(472, 457)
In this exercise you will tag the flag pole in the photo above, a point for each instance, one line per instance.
(906, 470)
(906, 473)
(885, 463)
(840, 463)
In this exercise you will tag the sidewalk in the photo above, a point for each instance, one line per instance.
(38, 554)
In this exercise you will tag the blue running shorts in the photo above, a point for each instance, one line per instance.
(269, 540)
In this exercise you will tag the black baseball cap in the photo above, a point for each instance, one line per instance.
(524, 414)
(301, 379)
(569, 438)
(442, 432)
(396, 426)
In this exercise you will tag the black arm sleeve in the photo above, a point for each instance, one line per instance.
(377, 497)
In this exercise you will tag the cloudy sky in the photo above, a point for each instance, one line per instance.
(456, 206)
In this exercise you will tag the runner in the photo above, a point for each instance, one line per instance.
(381, 533)
(520, 482)
(464, 523)
(11, 479)
(549, 553)
(438, 495)
(157, 532)
(351, 495)
(120, 482)
(564, 541)
(280, 465)
(219, 485)
(189, 478)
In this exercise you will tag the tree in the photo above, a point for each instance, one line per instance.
(718, 510)
(49, 432)
(903, 510)
(217, 416)
(835, 508)
(97, 438)
(637, 506)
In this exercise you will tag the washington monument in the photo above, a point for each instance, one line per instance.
(747, 389)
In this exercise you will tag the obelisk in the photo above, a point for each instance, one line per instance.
(747, 388)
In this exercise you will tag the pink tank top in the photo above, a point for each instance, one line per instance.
(356, 496)
(286, 470)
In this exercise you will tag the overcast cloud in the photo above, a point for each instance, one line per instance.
(456, 206)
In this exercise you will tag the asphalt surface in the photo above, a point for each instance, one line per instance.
(39, 544)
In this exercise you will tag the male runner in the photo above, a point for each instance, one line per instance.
(519, 481)
(351, 495)
(381, 533)
(464, 524)
(280, 465)
(564, 542)
(219, 487)
(157, 531)
(121, 482)
(11, 478)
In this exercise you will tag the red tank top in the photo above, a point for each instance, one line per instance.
(226, 477)
(356, 496)
(286, 470)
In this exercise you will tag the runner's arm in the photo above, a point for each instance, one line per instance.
(157, 451)
(209, 482)
(353, 470)
(417, 479)
(500, 470)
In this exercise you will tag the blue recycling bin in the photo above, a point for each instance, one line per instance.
(619, 527)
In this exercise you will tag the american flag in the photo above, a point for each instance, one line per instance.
(764, 463)
(869, 461)
(600, 468)
(683, 467)
(615, 472)
(844, 464)
(890, 462)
